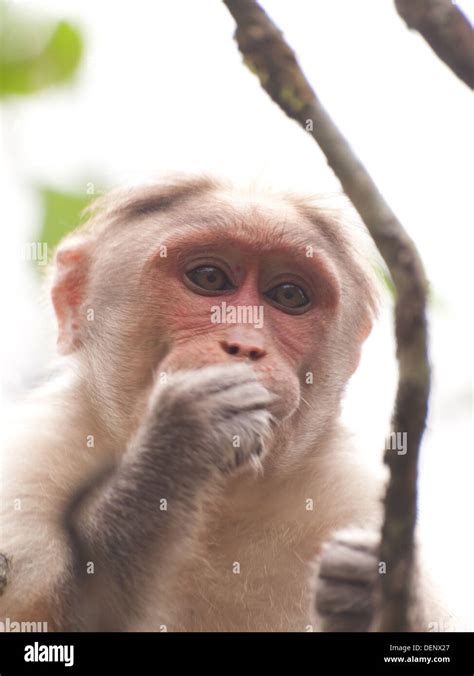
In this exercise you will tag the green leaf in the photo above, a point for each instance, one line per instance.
(35, 54)
(62, 212)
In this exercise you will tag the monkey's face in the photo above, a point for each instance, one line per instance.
(218, 282)
(225, 301)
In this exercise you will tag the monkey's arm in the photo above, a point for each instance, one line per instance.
(148, 505)
(345, 591)
(346, 598)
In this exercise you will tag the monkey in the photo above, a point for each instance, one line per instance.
(184, 466)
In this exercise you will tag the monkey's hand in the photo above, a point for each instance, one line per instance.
(346, 581)
(210, 418)
(199, 424)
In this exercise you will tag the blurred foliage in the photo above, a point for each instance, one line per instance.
(384, 276)
(433, 300)
(62, 212)
(35, 53)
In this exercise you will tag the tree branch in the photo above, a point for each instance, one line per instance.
(446, 30)
(267, 55)
(4, 569)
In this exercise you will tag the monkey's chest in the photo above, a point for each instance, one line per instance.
(247, 589)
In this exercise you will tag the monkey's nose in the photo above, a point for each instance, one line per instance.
(244, 343)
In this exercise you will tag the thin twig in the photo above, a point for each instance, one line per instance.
(446, 30)
(268, 55)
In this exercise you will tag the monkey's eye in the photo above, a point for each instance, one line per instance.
(209, 278)
(289, 296)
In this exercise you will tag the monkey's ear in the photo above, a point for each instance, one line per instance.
(68, 291)
(364, 332)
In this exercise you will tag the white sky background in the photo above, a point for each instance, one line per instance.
(163, 87)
